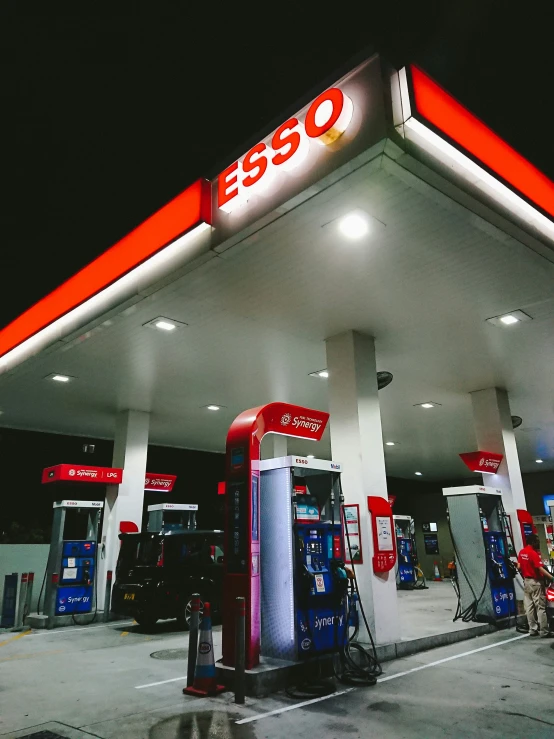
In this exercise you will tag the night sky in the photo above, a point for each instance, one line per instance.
(107, 117)
(104, 118)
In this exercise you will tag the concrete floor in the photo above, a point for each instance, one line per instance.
(85, 682)
(429, 612)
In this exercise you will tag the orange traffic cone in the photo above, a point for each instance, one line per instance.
(204, 675)
(437, 576)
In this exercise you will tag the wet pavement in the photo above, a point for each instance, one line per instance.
(102, 681)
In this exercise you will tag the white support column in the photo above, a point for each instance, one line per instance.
(273, 446)
(357, 443)
(124, 502)
(495, 433)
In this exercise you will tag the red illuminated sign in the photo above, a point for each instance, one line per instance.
(189, 209)
(156, 482)
(326, 120)
(81, 473)
(487, 462)
(293, 420)
(446, 114)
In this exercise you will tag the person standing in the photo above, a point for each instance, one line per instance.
(530, 565)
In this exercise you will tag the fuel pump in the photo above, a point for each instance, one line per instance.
(526, 524)
(164, 517)
(407, 562)
(303, 578)
(482, 539)
(71, 568)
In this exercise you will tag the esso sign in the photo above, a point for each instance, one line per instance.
(326, 120)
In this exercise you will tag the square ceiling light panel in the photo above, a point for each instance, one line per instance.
(165, 325)
(512, 318)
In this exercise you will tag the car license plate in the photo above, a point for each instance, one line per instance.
(129, 596)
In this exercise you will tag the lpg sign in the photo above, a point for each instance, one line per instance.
(327, 118)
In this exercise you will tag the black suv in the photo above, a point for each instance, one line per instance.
(157, 574)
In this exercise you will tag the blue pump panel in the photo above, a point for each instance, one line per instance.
(74, 599)
(406, 573)
(320, 585)
(320, 630)
(502, 590)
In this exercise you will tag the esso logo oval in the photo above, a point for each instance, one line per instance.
(327, 118)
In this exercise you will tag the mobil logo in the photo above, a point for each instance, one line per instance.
(335, 466)
(290, 146)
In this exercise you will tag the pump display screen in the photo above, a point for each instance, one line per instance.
(237, 457)
(313, 547)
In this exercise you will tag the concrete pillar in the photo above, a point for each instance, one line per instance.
(357, 443)
(273, 446)
(495, 433)
(124, 502)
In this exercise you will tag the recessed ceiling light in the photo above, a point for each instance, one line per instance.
(509, 319)
(419, 474)
(353, 226)
(324, 374)
(427, 404)
(163, 323)
(213, 407)
(58, 377)
(539, 461)
(390, 443)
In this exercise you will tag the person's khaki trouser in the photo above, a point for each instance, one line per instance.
(534, 601)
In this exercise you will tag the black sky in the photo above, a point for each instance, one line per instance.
(105, 117)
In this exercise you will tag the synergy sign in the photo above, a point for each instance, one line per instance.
(80, 473)
(326, 120)
(487, 462)
(154, 482)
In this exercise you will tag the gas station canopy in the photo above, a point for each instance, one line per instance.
(381, 206)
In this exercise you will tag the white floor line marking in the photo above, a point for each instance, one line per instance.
(57, 632)
(162, 682)
(259, 716)
(448, 659)
(291, 708)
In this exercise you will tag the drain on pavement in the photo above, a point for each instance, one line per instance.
(170, 654)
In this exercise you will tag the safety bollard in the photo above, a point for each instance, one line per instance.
(29, 597)
(21, 600)
(50, 608)
(108, 595)
(193, 637)
(240, 651)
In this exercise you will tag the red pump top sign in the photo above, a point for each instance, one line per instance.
(82, 473)
(155, 482)
(487, 462)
